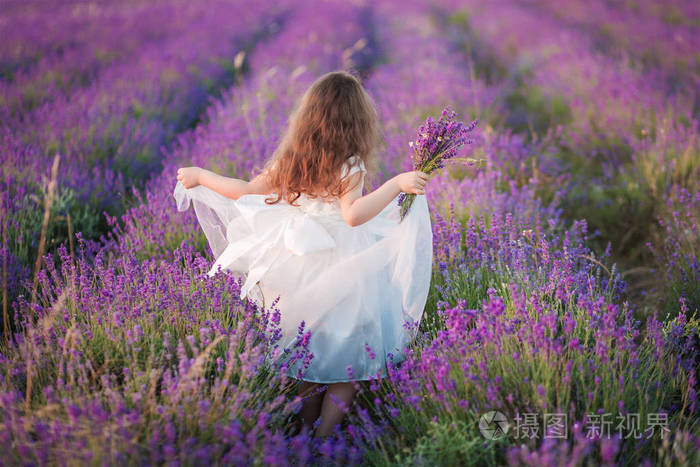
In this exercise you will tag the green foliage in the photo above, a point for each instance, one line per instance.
(451, 442)
(24, 241)
(530, 110)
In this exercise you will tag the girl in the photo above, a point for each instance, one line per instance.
(342, 264)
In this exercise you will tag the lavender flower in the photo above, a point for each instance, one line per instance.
(437, 142)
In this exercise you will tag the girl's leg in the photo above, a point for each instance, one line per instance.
(311, 407)
(336, 403)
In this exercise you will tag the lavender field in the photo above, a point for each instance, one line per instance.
(565, 291)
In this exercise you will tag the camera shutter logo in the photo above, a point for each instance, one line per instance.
(493, 425)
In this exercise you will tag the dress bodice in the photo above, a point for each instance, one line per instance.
(320, 206)
(330, 206)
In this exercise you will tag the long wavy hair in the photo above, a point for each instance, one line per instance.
(334, 120)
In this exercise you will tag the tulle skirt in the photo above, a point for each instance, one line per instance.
(359, 290)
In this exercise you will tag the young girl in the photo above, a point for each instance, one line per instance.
(301, 230)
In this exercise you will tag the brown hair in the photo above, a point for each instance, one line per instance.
(334, 120)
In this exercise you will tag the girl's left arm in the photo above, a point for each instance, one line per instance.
(226, 186)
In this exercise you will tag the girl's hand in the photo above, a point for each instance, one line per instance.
(189, 176)
(412, 182)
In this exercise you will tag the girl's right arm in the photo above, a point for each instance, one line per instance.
(358, 209)
(226, 186)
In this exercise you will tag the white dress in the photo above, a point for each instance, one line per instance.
(353, 287)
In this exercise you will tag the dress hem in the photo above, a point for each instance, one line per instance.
(338, 380)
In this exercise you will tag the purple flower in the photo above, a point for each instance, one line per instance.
(437, 142)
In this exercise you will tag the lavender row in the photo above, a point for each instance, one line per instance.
(133, 106)
(110, 132)
(609, 124)
(54, 49)
(609, 105)
(242, 128)
(660, 35)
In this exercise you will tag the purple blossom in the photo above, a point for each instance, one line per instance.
(437, 142)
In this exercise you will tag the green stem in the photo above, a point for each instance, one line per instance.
(406, 204)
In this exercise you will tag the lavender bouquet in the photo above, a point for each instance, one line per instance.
(438, 142)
